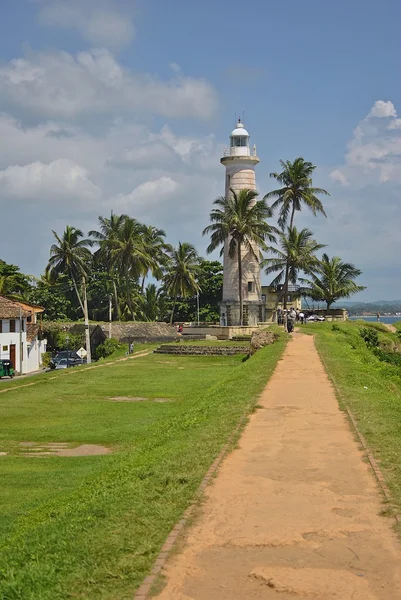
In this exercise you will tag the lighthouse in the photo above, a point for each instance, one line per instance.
(240, 161)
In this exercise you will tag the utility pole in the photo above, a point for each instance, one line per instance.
(110, 312)
(197, 305)
(21, 348)
(87, 332)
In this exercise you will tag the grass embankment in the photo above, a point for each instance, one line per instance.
(371, 389)
(90, 527)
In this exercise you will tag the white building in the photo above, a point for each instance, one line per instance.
(20, 335)
(240, 162)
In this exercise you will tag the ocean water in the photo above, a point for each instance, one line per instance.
(382, 319)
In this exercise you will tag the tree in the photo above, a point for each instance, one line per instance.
(72, 257)
(150, 303)
(53, 298)
(296, 190)
(296, 253)
(240, 221)
(13, 283)
(106, 238)
(180, 279)
(156, 248)
(130, 256)
(332, 279)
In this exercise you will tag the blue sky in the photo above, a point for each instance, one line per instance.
(127, 105)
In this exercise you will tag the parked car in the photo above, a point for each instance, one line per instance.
(315, 318)
(71, 355)
(63, 364)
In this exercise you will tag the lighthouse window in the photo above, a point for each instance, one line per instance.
(239, 141)
(250, 286)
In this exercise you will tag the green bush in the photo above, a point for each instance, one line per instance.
(46, 356)
(394, 358)
(107, 348)
(370, 336)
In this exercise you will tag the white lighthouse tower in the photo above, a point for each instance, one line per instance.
(240, 162)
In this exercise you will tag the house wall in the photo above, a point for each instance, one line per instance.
(32, 352)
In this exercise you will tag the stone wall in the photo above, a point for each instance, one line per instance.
(186, 350)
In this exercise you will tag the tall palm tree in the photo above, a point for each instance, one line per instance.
(182, 272)
(296, 253)
(240, 221)
(333, 279)
(130, 256)
(156, 248)
(106, 237)
(296, 190)
(71, 256)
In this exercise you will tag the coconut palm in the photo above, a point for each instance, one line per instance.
(332, 279)
(240, 221)
(296, 253)
(13, 283)
(156, 248)
(180, 279)
(296, 190)
(129, 255)
(106, 237)
(71, 256)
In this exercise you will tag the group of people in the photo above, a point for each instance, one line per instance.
(288, 318)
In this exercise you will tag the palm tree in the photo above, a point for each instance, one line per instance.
(333, 279)
(182, 272)
(156, 248)
(130, 255)
(106, 237)
(296, 253)
(72, 257)
(150, 303)
(240, 221)
(13, 283)
(296, 179)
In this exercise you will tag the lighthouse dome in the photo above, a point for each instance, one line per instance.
(239, 130)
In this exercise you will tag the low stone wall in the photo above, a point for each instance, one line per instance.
(222, 333)
(141, 332)
(186, 350)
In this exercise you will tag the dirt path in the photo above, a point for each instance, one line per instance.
(294, 512)
(390, 327)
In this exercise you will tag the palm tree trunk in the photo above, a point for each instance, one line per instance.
(292, 216)
(129, 299)
(116, 300)
(143, 283)
(287, 271)
(77, 293)
(241, 307)
(172, 311)
(86, 317)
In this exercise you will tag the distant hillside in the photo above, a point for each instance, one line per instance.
(381, 306)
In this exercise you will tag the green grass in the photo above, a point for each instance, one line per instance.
(370, 388)
(91, 527)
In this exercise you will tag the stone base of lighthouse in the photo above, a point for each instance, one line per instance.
(253, 313)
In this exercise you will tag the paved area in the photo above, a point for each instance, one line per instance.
(294, 513)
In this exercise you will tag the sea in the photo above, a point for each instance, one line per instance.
(383, 319)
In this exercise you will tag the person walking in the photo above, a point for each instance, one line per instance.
(291, 318)
(302, 317)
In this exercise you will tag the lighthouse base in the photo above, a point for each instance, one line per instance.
(252, 313)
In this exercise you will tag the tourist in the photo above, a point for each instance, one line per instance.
(291, 317)
(302, 317)
(279, 316)
(297, 315)
(378, 317)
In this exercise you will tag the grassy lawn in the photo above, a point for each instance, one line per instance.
(371, 388)
(90, 527)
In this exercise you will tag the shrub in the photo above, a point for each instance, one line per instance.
(394, 358)
(370, 336)
(107, 348)
(46, 357)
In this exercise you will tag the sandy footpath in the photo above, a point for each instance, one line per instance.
(294, 512)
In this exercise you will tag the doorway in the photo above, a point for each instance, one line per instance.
(12, 355)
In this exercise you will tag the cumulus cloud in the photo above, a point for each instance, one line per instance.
(374, 152)
(100, 22)
(152, 191)
(58, 179)
(60, 85)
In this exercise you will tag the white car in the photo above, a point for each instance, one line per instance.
(315, 318)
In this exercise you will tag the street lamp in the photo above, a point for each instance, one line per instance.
(67, 341)
(197, 305)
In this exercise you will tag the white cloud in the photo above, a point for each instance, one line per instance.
(146, 155)
(374, 152)
(152, 191)
(53, 181)
(100, 22)
(57, 84)
(339, 177)
(382, 109)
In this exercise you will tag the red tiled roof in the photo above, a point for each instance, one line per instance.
(32, 330)
(11, 310)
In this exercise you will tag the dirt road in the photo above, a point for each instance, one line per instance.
(294, 511)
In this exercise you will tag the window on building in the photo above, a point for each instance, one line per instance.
(12, 325)
(5, 348)
(250, 286)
